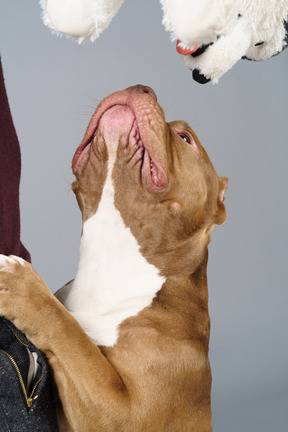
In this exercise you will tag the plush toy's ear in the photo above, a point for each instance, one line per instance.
(221, 212)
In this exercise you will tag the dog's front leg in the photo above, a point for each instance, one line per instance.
(92, 393)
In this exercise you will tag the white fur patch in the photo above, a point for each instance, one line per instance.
(7, 262)
(114, 281)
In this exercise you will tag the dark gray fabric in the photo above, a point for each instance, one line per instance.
(15, 416)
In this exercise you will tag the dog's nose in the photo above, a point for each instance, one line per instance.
(144, 89)
(150, 91)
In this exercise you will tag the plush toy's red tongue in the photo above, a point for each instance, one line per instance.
(185, 51)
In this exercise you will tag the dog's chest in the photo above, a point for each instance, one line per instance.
(114, 281)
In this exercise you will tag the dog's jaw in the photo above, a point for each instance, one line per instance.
(149, 124)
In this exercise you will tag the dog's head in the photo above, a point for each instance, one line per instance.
(164, 184)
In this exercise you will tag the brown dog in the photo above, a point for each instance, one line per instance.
(149, 198)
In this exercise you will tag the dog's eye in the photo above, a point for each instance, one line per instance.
(185, 138)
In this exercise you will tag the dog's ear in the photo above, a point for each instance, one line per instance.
(74, 186)
(221, 212)
(76, 190)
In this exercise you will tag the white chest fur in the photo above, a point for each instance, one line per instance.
(114, 281)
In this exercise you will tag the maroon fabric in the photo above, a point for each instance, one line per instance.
(10, 168)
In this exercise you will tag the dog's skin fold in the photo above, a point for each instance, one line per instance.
(140, 292)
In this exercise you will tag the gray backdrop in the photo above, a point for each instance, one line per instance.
(54, 86)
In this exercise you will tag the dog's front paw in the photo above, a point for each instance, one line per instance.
(10, 268)
(23, 294)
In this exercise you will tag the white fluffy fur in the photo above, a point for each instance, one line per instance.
(262, 20)
(114, 281)
(191, 21)
(195, 22)
(79, 18)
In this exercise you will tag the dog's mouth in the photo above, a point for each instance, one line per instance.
(150, 166)
(153, 173)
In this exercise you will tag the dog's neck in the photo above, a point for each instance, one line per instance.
(114, 281)
(185, 300)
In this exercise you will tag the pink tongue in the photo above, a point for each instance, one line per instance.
(185, 51)
(116, 121)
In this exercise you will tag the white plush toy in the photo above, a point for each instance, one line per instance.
(82, 19)
(212, 35)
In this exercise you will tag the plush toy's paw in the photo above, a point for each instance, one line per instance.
(196, 73)
(212, 60)
(199, 77)
(79, 18)
(24, 295)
